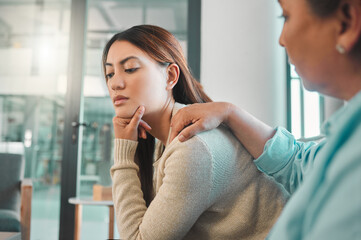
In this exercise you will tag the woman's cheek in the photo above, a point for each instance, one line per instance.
(126, 111)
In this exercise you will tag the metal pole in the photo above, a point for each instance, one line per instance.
(73, 109)
(194, 37)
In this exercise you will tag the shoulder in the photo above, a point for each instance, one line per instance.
(344, 153)
(194, 148)
(216, 149)
(350, 151)
(223, 145)
(211, 144)
(216, 141)
(187, 165)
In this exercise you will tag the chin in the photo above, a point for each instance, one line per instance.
(315, 84)
(307, 83)
(125, 112)
(308, 86)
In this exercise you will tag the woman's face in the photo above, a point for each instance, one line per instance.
(310, 43)
(134, 79)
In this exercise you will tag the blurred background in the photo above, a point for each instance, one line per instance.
(54, 105)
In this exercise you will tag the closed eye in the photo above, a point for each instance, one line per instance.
(109, 75)
(285, 17)
(130, 70)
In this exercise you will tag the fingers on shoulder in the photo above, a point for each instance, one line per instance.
(181, 119)
(193, 129)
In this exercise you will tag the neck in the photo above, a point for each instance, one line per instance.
(347, 81)
(354, 84)
(348, 89)
(352, 93)
(160, 121)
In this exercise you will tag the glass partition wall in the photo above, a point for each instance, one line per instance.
(34, 78)
(34, 39)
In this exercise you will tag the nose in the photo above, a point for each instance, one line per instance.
(116, 82)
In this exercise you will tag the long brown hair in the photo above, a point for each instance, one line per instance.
(164, 48)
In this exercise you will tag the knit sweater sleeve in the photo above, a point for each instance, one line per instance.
(181, 199)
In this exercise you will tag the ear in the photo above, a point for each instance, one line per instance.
(349, 15)
(173, 75)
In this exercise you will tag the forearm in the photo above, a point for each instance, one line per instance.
(127, 194)
(129, 203)
(283, 158)
(250, 131)
(287, 160)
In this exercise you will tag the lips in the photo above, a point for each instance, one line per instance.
(119, 100)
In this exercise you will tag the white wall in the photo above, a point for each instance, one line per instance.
(241, 61)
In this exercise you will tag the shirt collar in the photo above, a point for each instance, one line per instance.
(341, 115)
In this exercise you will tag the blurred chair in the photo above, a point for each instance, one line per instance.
(15, 196)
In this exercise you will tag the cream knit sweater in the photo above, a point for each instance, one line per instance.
(206, 188)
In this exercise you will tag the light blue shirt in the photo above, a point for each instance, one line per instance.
(324, 179)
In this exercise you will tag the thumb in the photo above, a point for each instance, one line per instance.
(190, 131)
(176, 128)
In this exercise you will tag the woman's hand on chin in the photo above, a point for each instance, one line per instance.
(131, 128)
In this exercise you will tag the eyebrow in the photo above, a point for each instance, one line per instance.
(123, 61)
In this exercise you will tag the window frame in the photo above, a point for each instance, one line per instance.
(290, 121)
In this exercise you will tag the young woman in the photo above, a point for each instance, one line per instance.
(205, 188)
(323, 41)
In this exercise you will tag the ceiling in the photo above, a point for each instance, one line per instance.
(34, 39)
(20, 19)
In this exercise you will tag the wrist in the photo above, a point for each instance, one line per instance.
(125, 135)
(124, 150)
(229, 110)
